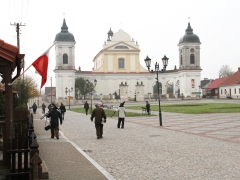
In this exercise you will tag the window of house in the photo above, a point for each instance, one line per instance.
(120, 63)
(65, 58)
(235, 91)
(192, 59)
(239, 91)
(221, 91)
(181, 59)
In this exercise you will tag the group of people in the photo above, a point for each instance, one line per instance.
(100, 117)
(55, 114)
(98, 114)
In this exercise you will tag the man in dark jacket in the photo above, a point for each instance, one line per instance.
(55, 115)
(63, 110)
(99, 114)
(34, 107)
(86, 107)
(148, 107)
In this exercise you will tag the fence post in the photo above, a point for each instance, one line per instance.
(35, 168)
(30, 129)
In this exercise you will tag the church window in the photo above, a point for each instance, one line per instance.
(65, 58)
(121, 47)
(120, 63)
(181, 59)
(192, 59)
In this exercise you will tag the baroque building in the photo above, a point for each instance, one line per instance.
(117, 68)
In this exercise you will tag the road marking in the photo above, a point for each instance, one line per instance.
(100, 168)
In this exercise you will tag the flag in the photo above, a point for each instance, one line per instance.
(41, 65)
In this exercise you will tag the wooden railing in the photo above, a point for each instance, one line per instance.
(24, 163)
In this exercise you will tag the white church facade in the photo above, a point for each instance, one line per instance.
(118, 71)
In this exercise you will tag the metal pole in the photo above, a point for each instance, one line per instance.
(91, 104)
(69, 98)
(51, 89)
(159, 107)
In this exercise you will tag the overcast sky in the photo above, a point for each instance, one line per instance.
(157, 26)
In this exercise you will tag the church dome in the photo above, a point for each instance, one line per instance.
(189, 37)
(121, 36)
(64, 35)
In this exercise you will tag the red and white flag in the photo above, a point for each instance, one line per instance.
(41, 65)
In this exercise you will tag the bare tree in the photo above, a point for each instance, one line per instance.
(225, 71)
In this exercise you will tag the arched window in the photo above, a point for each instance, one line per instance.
(121, 47)
(120, 63)
(65, 58)
(192, 59)
(181, 60)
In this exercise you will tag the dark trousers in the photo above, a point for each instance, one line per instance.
(120, 120)
(34, 111)
(43, 111)
(86, 110)
(148, 111)
(99, 130)
(62, 114)
(55, 132)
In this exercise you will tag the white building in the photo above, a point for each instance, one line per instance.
(117, 68)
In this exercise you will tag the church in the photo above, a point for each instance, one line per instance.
(118, 72)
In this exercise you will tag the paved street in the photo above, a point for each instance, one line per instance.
(186, 147)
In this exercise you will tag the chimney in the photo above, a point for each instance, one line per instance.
(239, 70)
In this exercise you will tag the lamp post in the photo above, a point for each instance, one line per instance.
(157, 70)
(95, 83)
(68, 91)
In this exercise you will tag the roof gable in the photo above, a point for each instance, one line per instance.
(121, 43)
(233, 79)
(215, 84)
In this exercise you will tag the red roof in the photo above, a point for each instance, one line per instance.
(215, 84)
(233, 79)
(8, 51)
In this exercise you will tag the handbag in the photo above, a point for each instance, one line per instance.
(47, 127)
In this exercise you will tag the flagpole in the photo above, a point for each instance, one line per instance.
(10, 84)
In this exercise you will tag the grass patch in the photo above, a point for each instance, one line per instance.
(109, 112)
(195, 108)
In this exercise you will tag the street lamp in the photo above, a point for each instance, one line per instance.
(68, 91)
(157, 70)
(95, 83)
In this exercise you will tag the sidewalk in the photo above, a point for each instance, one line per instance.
(61, 159)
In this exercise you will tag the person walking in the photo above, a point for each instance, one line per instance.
(55, 116)
(86, 107)
(99, 114)
(121, 115)
(148, 107)
(63, 110)
(43, 108)
(34, 107)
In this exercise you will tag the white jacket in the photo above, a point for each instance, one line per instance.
(121, 112)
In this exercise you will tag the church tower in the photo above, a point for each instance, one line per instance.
(189, 80)
(189, 50)
(65, 62)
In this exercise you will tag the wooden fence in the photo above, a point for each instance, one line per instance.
(23, 160)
